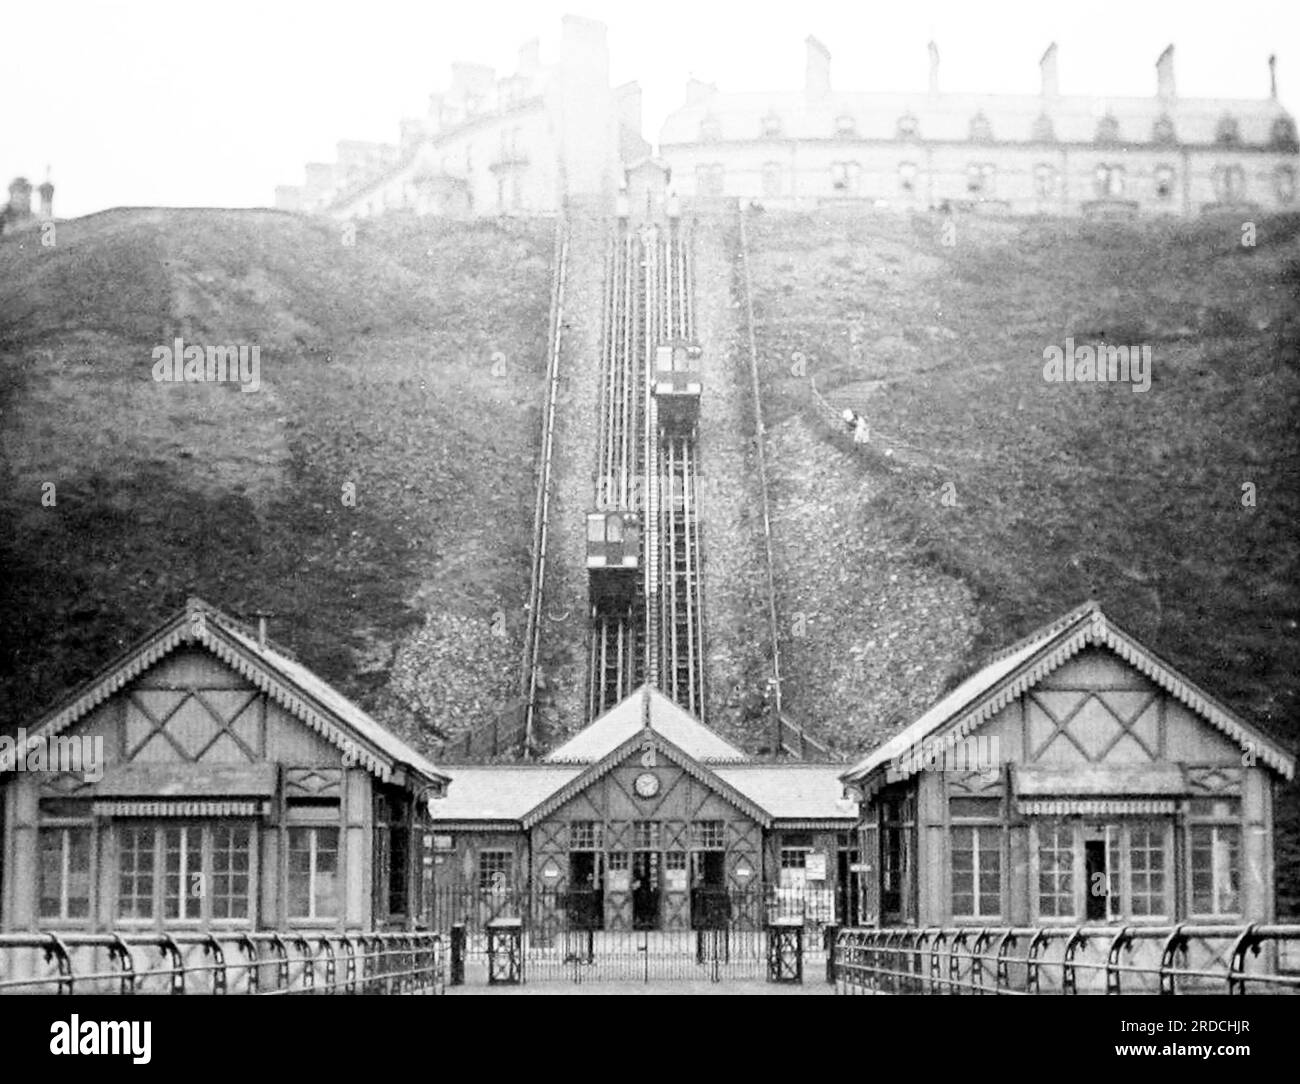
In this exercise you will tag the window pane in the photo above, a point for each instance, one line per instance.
(231, 865)
(135, 879)
(1055, 871)
(326, 897)
(300, 851)
(50, 892)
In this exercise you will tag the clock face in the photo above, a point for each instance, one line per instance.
(647, 784)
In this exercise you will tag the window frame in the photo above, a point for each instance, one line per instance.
(1118, 834)
(1215, 822)
(314, 828)
(65, 827)
(160, 873)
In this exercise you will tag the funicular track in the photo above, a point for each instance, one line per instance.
(645, 467)
(616, 643)
(680, 590)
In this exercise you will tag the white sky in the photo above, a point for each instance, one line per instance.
(170, 102)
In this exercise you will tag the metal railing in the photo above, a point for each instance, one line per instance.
(288, 962)
(1185, 959)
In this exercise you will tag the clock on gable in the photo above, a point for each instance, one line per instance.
(646, 785)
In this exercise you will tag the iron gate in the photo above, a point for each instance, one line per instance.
(584, 937)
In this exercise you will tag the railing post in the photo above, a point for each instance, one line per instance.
(1118, 944)
(1175, 944)
(829, 935)
(172, 951)
(56, 950)
(458, 954)
(212, 947)
(1069, 978)
(1249, 940)
(120, 953)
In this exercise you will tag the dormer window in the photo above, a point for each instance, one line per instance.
(845, 126)
(1107, 130)
(908, 127)
(710, 129)
(981, 131)
(1227, 133)
(770, 126)
(1043, 131)
(1163, 133)
(1281, 135)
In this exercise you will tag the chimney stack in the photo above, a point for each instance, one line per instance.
(1165, 74)
(262, 615)
(817, 72)
(1047, 69)
(934, 68)
(1272, 77)
(46, 191)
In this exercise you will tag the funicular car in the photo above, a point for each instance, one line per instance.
(613, 555)
(676, 384)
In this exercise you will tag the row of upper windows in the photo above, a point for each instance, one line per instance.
(1227, 132)
(1109, 181)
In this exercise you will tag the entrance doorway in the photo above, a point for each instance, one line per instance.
(586, 900)
(645, 890)
(710, 904)
(847, 911)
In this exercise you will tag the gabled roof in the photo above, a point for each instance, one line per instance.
(499, 792)
(637, 739)
(1023, 665)
(800, 792)
(290, 684)
(647, 707)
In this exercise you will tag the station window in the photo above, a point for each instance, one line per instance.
(184, 872)
(770, 126)
(586, 836)
(845, 126)
(675, 860)
(645, 835)
(907, 127)
(1056, 870)
(618, 860)
(977, 871)
(64, 891)
(708, 835)
(1214, 839)
(495, 870)
(313, 873)
(981, 131)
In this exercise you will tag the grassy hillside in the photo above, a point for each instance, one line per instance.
(1001, 499)
(405, 364)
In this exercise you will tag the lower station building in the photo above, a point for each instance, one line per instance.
(206, 781)
(1077, 779)
(648, 820)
